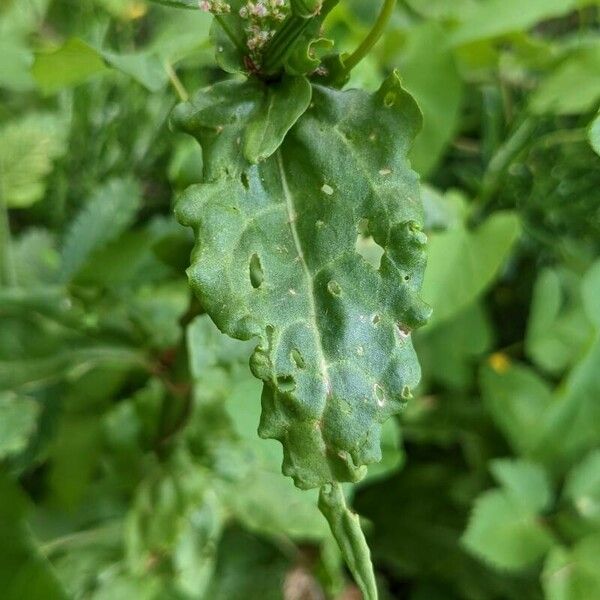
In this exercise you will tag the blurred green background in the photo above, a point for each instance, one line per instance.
(130, 467)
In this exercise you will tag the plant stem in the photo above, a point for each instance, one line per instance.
(279, 48)
(373, 36)
(176, 82)
(347, 532)
(7, 267)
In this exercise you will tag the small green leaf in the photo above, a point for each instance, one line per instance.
(557, 328)
(573, 87)
(251, 115)
(504, 533)
(282, 105)
(76, 61)
(526, 482)
(104, 217)
(24, 572)
(70, 64)
(572, 573)
(18, 422)
(431, 75)
(15, 61)
(462, 264)
(492, 18)
(519, 401)
(28, 148)
(582, 487)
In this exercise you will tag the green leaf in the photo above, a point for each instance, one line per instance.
(143, 67)
(18, 422)
(33, 372)
(572, 574)
(70, 64)
(505, 533)
(582, 487)
(104, 217)
(430, 74)
(282, 105)
(176, 518)
(335, 352)
(594, 134)
(241, 122)
(519, 401)
(28, 148)
(492, 18)
(15, 61)
(462, 264)
(247, 567)
(557, 328)
(526, 482)
(23, 571)
(573, 87)
(36, 258)
(76, 61)
(471, 333)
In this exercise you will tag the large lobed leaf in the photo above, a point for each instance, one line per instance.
(275, 259)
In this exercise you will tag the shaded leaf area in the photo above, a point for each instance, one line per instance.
(24, 571)
(335, 351)
(418, 517)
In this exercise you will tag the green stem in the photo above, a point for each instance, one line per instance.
(373, 37)
(7, 267)
(349, 536)
(176, 82)
(279, 48)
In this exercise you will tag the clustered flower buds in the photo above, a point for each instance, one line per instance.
(217, 7)
(263, 17)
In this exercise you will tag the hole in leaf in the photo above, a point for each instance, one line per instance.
(244, 180)
(369, 249)
(406, 393)
(334, 288)
(407, 278)
(257, 275)
(297, 358)
(375, 319)
(389, 99)
(403, 331)
(379, 394)
(286, 383)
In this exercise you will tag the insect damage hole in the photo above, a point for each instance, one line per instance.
(286, 383)
(367, 247)
(297, 358)
(379, 394)
(257, 275)
(245, 181)
(334, 288)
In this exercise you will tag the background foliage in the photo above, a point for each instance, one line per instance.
(129, 462)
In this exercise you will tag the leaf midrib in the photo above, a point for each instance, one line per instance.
(291, 212)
